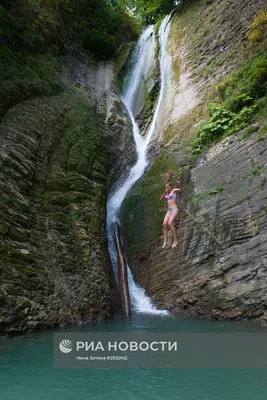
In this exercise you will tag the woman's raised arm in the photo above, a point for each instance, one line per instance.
(162, 197)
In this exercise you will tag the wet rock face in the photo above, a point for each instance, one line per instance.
(202, 277)
(54, 260)
(118, 140)
(59, 156)
(148, 91)
(116, 131)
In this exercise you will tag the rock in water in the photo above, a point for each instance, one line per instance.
(122, 274)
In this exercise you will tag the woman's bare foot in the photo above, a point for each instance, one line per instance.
(175, 243)
(164, 244)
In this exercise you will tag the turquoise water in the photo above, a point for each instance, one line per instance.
(27, 372)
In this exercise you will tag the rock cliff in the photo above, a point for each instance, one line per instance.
(220, 266)
(60, 152)
(219, 269)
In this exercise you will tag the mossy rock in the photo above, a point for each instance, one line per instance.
(142, 211)
(19, 234)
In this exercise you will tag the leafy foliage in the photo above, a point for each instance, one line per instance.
(258, 28)
(34, 34)
(239, 96)
(262, 132)
(151, 98)
(100, 43)
(148, 11)
(34, 25)
(245, 86)
(104, 25)
(221, 123)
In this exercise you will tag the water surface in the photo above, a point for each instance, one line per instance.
(27, 372)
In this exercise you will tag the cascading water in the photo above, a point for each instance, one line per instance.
(140, 301)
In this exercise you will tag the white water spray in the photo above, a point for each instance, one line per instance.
(140, 301)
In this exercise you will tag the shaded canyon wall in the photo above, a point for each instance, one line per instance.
(60, 153)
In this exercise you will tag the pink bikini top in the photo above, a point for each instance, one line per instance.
(170, 196)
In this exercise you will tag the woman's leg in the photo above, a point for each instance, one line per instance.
(165, 232)
(172, 228)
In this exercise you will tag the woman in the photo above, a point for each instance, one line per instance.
(172, 212)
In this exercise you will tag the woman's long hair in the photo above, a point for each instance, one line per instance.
(169, 179)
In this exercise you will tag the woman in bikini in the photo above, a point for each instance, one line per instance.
(170, 196)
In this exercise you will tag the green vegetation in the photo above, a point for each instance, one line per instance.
(121, 60)
(241, 98)
(15, 264)
(35, 36)
(68, 186)
(76, 216)
(208, 27)
(157, 26)
(249, 131)
(71, 141)
(25, 76)
(221, 123)
(262, 131)
(255, 171)
(151, 98)
(148, 11)
(204, 195)
(109, 27)
(245, 86)
(213, 50)
(152, 95)
(35, 25)
(142, 211)
(258, 28)
(209, 39)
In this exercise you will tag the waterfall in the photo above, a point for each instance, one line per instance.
(140, 301)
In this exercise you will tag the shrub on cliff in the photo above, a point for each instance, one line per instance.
(221, 123)
(258, 28)
(239, 96)
(246, 85)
